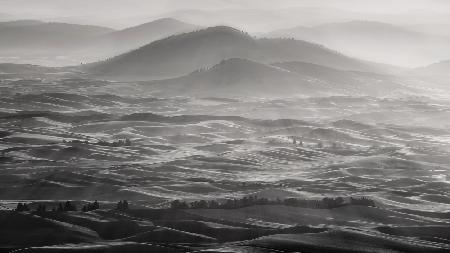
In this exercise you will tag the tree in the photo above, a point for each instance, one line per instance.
(60, 208)
(42, 208)
(119, 205)
(176, 204)
(122, 205)
(96, 205)
(91, 206)
(22, 207)
(68, 206)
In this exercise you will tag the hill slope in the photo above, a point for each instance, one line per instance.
(181, 54)
(375, 41)
(25, 36)
(10, 68)
(241, 77)
(238, 77)
(436, 69)
(131, 38)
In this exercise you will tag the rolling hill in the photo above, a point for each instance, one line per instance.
(5, 17)
(241, 77)
(10, 68)
(121, 41)
(375, 41)
(181, 54)
(436, 69)
(23, 37)
(238, 77)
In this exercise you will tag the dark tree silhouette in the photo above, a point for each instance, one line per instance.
(68, 206)
(176, 204)
(325, 203)
(122, 205)
(42, 208)
(22, 207)
(91, 206)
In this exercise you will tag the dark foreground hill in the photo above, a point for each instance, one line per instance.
(259, 228)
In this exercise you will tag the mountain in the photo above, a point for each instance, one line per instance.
(28, 38)
(348, 82)
(24, 37)
(19, 23)
(436, 69)
(432, 28)
(10, 68)
(181, 54)
(263, 19)
(375, 41)
(5, 17)
(121, 41)
(241, 77)
(237, 77)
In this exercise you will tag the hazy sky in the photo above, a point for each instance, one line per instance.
(121, 13)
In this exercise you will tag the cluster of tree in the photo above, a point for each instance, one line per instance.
(119, 143)
(22, 207)
(76, 142)
(41, 208)
(90, 206)
(325, 203)
(299, 142)
(362, 201)
(228, 204)
(68, 206)
(122, 205)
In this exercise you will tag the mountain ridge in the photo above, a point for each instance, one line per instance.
(30, 36)
(128, 39)
(441, 68)
(373, 40)
(181, 54)
(243, 77)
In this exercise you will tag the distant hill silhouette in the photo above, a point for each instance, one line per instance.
(130, 38)
(28, 38)
(23, 22)
(437, 69)
(25, 36)
(10, 68)
(181, 54)
(376, 41)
